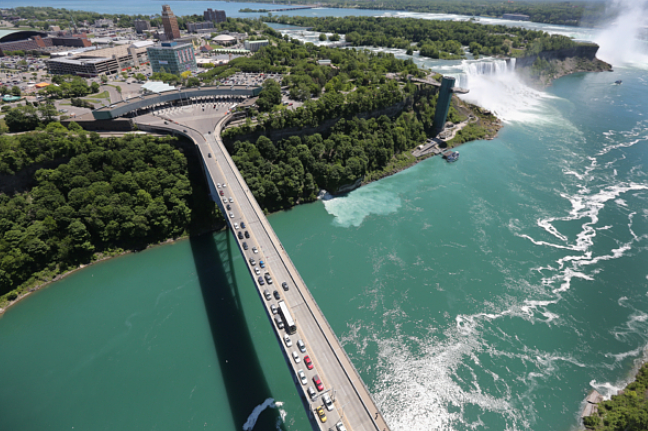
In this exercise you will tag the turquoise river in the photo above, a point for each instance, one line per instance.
(492, 293)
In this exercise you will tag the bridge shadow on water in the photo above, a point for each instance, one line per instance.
(245, 382)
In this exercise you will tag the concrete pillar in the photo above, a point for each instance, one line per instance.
(443, 104)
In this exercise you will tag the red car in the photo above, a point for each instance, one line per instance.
(308, 362)
(221, 193)
(318, 383)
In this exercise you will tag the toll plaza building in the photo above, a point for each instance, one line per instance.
(172, 57)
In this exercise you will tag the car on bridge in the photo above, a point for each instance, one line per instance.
(318, 383)
(327, 402)
(261, 263)
(301, 346)
(266, 293)
(287, 340)
(321, 414)
(302, 377)
(295, 356)
(340, 426)
(308, 362)
(285, 286)
(261, 283)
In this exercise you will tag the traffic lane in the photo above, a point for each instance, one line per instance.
(315, 335)
(362, 411)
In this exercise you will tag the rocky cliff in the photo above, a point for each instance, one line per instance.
(546, 66)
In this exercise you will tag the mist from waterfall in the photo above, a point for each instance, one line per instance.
(620, 42)
(495, 86)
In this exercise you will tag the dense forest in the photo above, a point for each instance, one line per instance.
(624, 412)
(283, 173)
(112, 194)
(551, 12)
(435, 39)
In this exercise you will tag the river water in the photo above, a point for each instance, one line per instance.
(494, 292)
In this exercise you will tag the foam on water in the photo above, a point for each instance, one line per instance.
(377, 198)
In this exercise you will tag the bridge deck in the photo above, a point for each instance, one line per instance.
(353, 403)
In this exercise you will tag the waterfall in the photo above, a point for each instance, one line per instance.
(494, 85)
(483, 67)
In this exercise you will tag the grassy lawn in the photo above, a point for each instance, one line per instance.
(103, 95)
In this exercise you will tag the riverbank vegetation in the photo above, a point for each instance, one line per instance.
(627, 411)
(359, 118)
(109, 195)
(550, 12)
(434, 39)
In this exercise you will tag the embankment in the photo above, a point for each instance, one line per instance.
(544, 67)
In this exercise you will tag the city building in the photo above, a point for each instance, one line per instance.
(224, 40)
(28, 40)
(172, 57)
(255, 45)
(100, 61)
(516, 16)
(104, 23)
(170, 23)
(195, 27)
(142, 25)
(214, 15)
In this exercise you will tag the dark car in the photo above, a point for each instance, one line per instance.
(247, 235)
(240, 235)
(261, 281)
(276, 295)
(209, 155)
(279, 322)
(285, 286)
(242, 225)
(307, 361)
(252, 261)
(245, 246)
(229, 207)
(318, 383)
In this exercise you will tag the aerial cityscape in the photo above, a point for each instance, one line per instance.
(324, 215)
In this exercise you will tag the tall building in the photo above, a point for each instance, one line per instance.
(170, 23)
(142, 25)
(214, 15)
(172, 57)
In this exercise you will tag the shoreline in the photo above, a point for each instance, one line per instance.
(59, 277)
